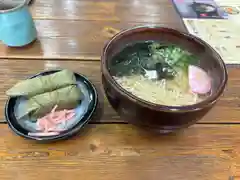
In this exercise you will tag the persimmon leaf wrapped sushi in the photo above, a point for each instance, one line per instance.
(65, 98)
(42, 84)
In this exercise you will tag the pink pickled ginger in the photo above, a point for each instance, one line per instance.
(47, 125)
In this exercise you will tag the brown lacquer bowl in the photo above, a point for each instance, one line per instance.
(160, 118)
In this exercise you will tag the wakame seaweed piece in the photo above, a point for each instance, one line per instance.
(127, 67)
(65, 98)
(42, 84)
(164, 71)
(146, 60)
(129, 50)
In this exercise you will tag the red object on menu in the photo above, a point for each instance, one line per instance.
(203, 15)
(181, 1)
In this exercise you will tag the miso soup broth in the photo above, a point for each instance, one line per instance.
(163, 74)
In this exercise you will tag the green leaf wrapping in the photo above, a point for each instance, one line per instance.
(39, 105)
(42, 84)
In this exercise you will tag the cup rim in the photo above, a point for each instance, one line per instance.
(158, 107)
(20, 5)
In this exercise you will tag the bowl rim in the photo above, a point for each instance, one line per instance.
(68, 133)
(158, 107)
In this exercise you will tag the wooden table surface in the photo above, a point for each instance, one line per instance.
(71, 35)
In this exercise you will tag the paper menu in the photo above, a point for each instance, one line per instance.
(225, 40)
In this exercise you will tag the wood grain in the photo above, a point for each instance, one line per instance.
(74, 39)
(226, 111)
(106, 10)
(203, 152)
(74, 32)
(69, 40)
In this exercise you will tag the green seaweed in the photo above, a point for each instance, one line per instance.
(126, 62)
(172, 55)
(139, 57)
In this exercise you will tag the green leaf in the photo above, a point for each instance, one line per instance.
(173, 55)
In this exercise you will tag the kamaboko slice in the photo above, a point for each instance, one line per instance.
(199, 80)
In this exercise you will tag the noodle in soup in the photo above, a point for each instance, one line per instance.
(161, 74)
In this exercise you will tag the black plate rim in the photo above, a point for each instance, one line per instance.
(72, 131)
